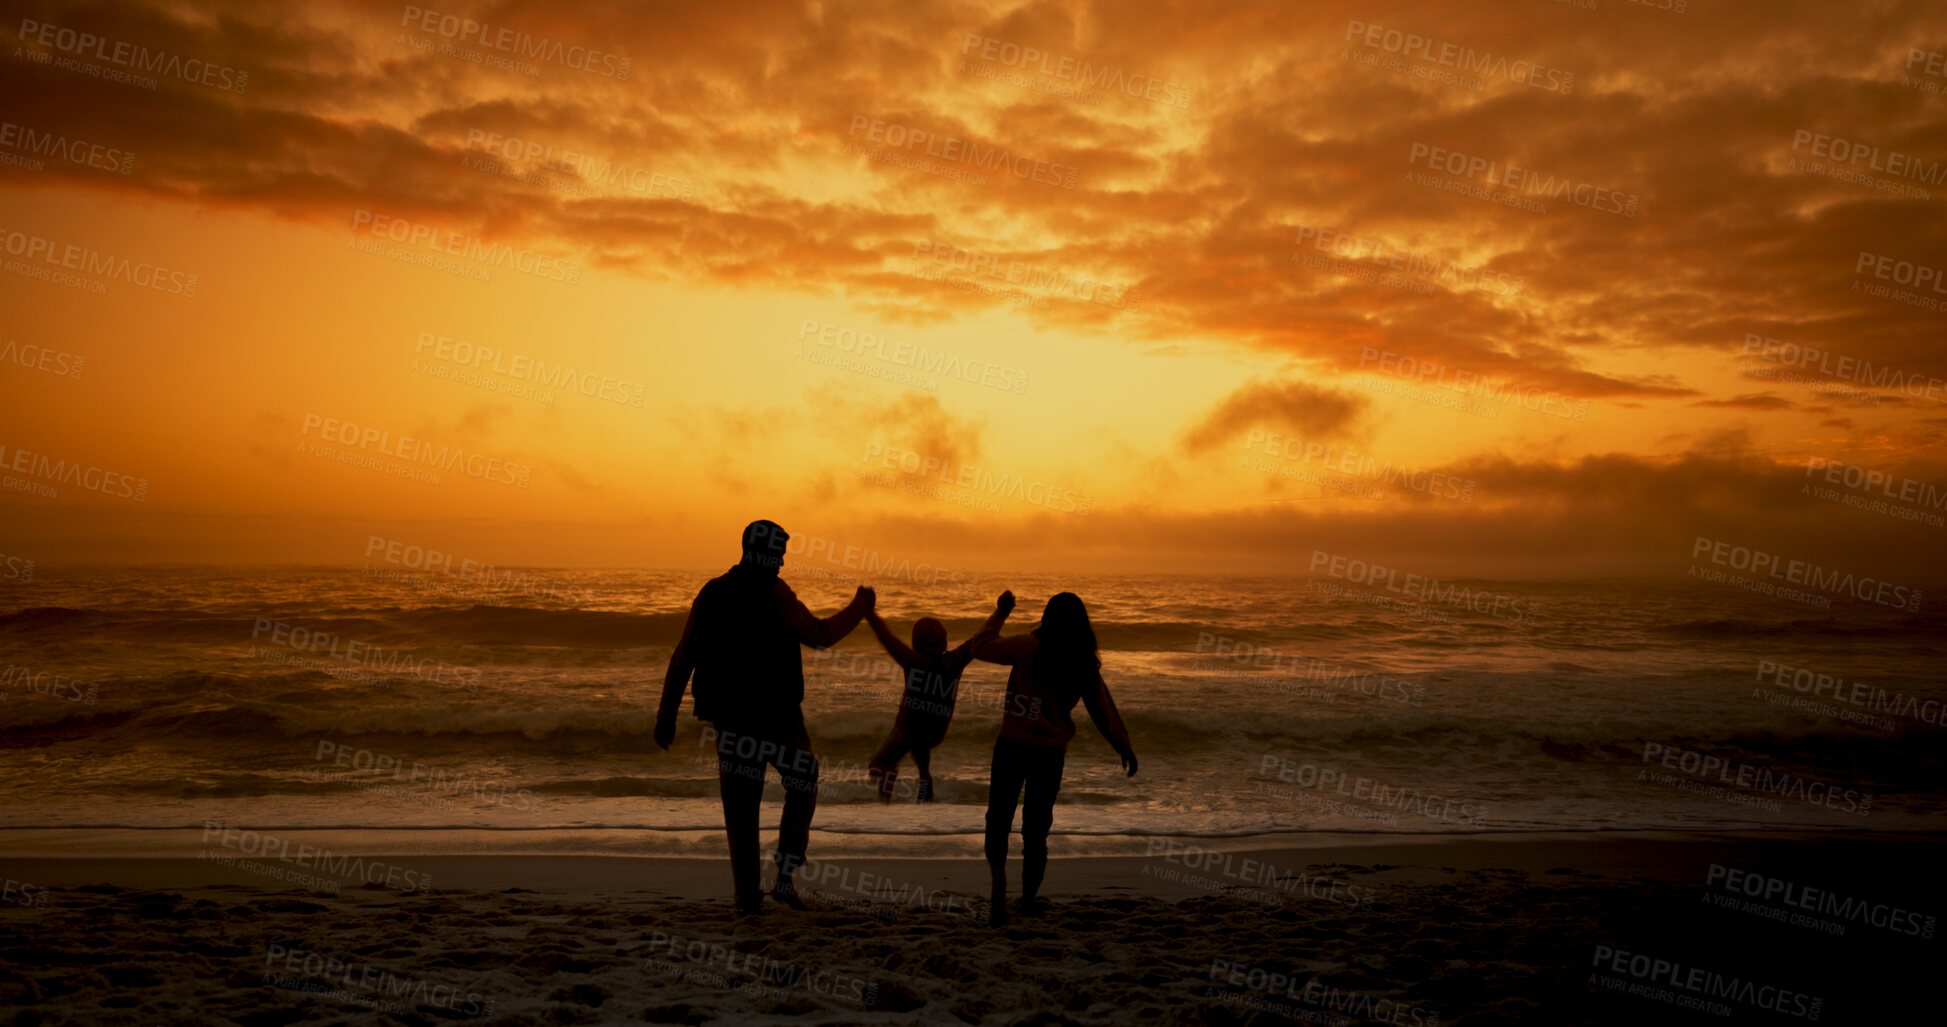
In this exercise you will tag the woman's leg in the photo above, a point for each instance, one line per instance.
(1003, 792)
(1038, 818)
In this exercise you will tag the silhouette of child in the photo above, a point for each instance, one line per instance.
(932, 676)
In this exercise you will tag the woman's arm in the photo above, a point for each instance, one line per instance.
(1101, 710)
(963, 653)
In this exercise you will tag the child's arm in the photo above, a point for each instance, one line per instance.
(963, 653)
(900, 652)
(1101, 710)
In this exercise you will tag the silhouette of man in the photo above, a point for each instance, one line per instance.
(741, 640)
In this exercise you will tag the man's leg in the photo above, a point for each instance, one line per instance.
(799, 769)
(1003, 792)
(1038, 818)
(740, 782)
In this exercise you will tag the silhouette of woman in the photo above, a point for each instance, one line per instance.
(1054, 666)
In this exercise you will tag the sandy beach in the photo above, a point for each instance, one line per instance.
(1464, 930)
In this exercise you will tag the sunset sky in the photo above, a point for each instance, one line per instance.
(1094, 245)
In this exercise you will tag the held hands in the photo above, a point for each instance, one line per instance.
(1005, 604)
(1129, 763)
(866, 597)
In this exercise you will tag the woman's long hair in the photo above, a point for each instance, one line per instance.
(1068, 653)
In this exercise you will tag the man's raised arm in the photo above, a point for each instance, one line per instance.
(821, 633)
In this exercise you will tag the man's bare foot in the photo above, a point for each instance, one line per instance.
(997, 911)
(1030, 906)
(751, 906)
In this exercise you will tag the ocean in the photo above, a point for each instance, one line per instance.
(520, 703)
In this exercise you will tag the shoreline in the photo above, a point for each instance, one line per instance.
(1666, 856)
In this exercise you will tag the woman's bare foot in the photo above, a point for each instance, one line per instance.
(786, 891)
(997, 911)
(926, 789)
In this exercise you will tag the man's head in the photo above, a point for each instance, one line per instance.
(764, 544)
(929, 637)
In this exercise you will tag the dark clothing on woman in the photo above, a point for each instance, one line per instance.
(1037, 722)
(1018, 767)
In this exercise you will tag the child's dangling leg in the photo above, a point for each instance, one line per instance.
(884, 767)
(923, 759)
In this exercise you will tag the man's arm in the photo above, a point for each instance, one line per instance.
(900, 652)
(675, 679)
(1101, 710)
(963, 653)
(825, 633)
